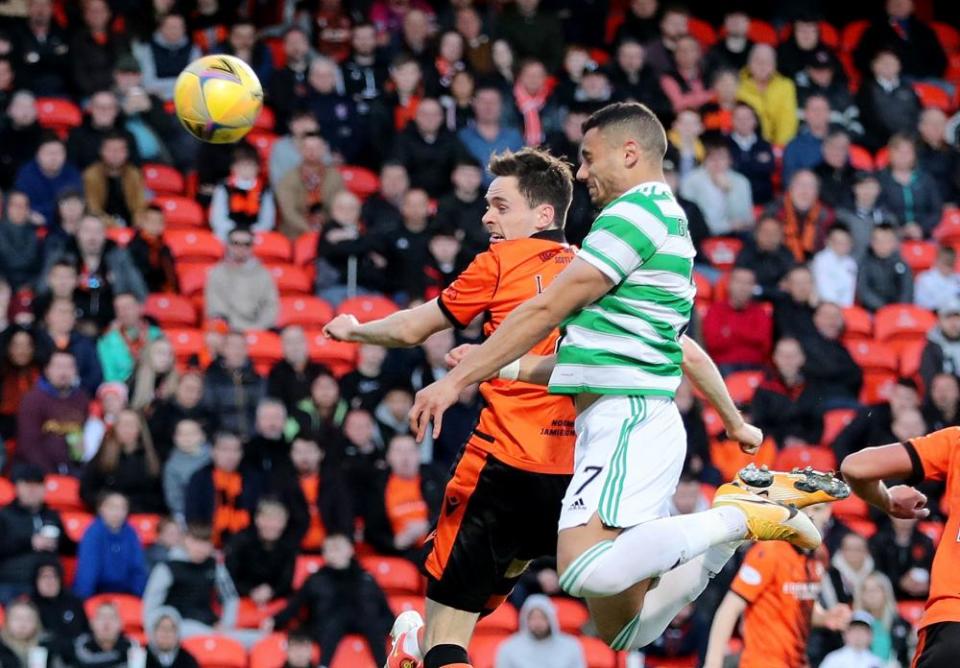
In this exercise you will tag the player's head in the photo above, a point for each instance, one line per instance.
(623, 145)
(531, 192)
(819, 514)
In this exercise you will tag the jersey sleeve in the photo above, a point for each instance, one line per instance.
(473, 290)
(622, 238)
(931, 454)
(755, 574)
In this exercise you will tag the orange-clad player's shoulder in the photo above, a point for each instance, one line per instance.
(935, 455)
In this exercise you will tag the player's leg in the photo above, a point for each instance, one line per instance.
(939, 646)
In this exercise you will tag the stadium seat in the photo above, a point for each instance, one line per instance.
(7, 491)
(266, 120)
(857, 324)
(898, 323)
(306, 565)
(194, 245)
(865, 528)
(272, 247)
(801, 456)
(933, 96)
(483, 650)
(359, 180)
(919, 255)
(271, 652)
(851, 508)
(163, 179)
(702, 31)
(503, 620)
(911, 611)
(367, 308)
(742, 385)
(728, 458)
(861, 158)
(948, 231)
(263, 141)
(404, 602)
(146, 526)
(120, 235)
(264, 348)
(192, 277)
(876, 387)
(873, 356)
(704, 288)
(712, 421)
(910, 357)
(721, 251)
(170, 310)
(305, 248)
(58, 114)
(834, 421)
(277, 53)
(882, 158)
(597, 653)
(851, 34)
(250, 615)
(338, 356)
(75, 523)
(948, 35)
(216, 651)
(309, 312)
(129, 607)
(181, 212)
(291, 279)
(393, 574)
(353, 652)
(63, 492)
(186, 342)
(670, 662)
(932, 529)
(572, 614)
(761, 32)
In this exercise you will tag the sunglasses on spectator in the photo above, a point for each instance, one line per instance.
(237, 242)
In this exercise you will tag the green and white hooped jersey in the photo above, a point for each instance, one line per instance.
(628, 342)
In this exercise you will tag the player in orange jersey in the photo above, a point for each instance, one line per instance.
(932, 457)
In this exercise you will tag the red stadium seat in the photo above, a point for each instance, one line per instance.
(7, 491)
(704, 288)
(502, 620)
(702, 31)
(729, 459)
(712, 421)
(899, 323)
(910, 356)
(271, 652)
(194, 245)
(834, 421)
(851, 34)
(948, 231)
(185, 342)
(861, 158)
(948, 35)
(851, 508)
(366, 309)
(670, 662)
(277, 52)
(272, 247)
(262, 141)
(75, 523)
(264, 349)
(251, 616)
(353, 652)
(338, 356)
(309, 312)
(483, 650)
(130, 609)
(216, 651)
(933, 96)
(742, 385)
(762, 32)
(120, 235)
(393, 574)
(291, 279)
(146, 526)
(857, 324)
(170, 310)
(911, 611)
(597, 653)
(266, 120)
(572, 614)
(181, 212)
(163, 179)
(192, 277)
(873, 356)
(359, 180)
(305, 248)
(919, 255)
(721, 251)
(55, 113)
(404, 602)
(63, 492)
(882, 158)
(865, 528)
(306, 565)
(801, 456)
(932, 529)
(876, 387)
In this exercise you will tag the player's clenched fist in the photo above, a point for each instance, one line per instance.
(455, 356)
(341, 328)
(430, 404)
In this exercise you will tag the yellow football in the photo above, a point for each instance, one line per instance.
(218, 99)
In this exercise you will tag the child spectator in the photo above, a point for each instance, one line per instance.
(164, 650)
(218, 495)
(169, 536)
(855, 652)
(884, 277)
(150, 253)
(299, 650)
(244, 200)
(191, 453)
(110, 401)
(865, 212)
(939, 284)
(110, 557)
(834, 270)
(261, 557)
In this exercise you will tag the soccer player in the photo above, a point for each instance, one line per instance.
(624, 303)
(932, 457)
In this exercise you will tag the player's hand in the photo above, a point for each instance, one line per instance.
(748, 436)
(430, 404)
(341, 328)
(455, 356)
(838, 617)
(907, 503)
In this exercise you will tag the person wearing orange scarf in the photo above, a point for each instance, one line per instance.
(219, 494)
(531, 93)
(244, 198)
(805, 219)
(150, 253)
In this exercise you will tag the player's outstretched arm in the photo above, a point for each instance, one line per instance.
(724, 622)
(866, 470)
(705, 376)
(533, 369)
(409, 327)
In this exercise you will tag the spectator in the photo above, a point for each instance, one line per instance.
(857, 639)
(242, 43)
(684, 137)
(243, 201)
(32, 533)
(772, 95)
(428, 150)
(185, 404)
(458, 102)
(835, 172)
(45, 177)
(164, 649)
(641, 22)
(19, 371)
(403, 501)
(287, 89)
(240, 289)
(936, 156)
(300, 650)
(911, 194)
(731, 52)
(942, 352)
(59, 334)
(891, 632)
(267, 452)
(784, 406)
(634, 79)
(888, 105)
(261, 557)
(540, 640)
(335, 112)
(533, 32)
(414, 38)
(463, 208)
(218, 493)
(751, 155)
(718, 115)
(51, 418)
(340, 598)
(940, 283)
(722, 194)
(321, 413)
(685, 85)
(905, 555)
(22, 637)
(738, 333)
(285, 153)
(407, 250)
(20, 136)
(833, 375)
(110, 557)
(191, 452)
(835, 270)
(865, 213)
(390, 114)
(150, 253)
(805, 150)
(60, 282)
(913, 41)
(61, 611)
(661, 47)
(365, 70)
(487, 135)
(873, 425)
(290, 378)
(793, 307)
(806, 220)
(111, 399)
(343, 242)
(801, 47)
(126, 463)
(765, 254)
(884, 278)
(308, 188)
(381, 210)
(120, 348)
(232, 388)
(19, 245)
(42, 51)
(537, 107)
(849, 567)
(941, 408)
(823, 75)
(165, 54)
(103, 120)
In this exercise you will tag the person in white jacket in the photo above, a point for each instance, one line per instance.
(855, 652)
(835, 270)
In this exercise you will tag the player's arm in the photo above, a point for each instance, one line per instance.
(533, 369)
(724, 622)
(409, 327)
(836, 618)
(866, 470)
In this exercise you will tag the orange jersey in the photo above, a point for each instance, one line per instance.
(521, 424)
(937, 457)
(780, 585)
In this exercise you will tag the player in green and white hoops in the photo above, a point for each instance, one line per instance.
(623, 305)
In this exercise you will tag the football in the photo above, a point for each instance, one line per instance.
(218, 98)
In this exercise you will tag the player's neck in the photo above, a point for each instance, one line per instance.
(638, 177)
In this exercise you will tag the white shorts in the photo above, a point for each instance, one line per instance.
(629, 456)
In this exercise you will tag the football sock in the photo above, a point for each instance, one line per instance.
(446, 656)
(648, 550)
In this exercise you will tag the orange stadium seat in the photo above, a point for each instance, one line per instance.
(272, 247)
(192, 277)
(876, 387)
(305, 248)
(366, 308)
(483, 650)
(861, 158)
(572, 614)
(359, 180)
(873, 356)
(728, 458)
(271, 652)
(163, 179)
(306, 565)
(865, 528)
(851, 34)
(264, 349)
(120, 235)
(309, 312)
(129, 607)
(75, 523)
(250, 615)
(911, 611)
(948, 231)
(919, 255)
(802, 456)
(393, 574)
(353, 652)
(263, 141)
(857, 324)
(597, 653)
(146, 526)
(834, 421)
(186, 342)
(903, 322)
(702, 31)
(170, 310)
(266, 120)
(181, 212)
(670, 662)
(216, 651)
(933, 96)
(851, 508)
(338, 356)
(910, 357)
(704, 288)
(7, 491)
(404, 602)
(194, 245)
(948, 35)
(503, 620)
(742, 385)
(762, 32)
(712, 421)
(63, 492)
(55, 113)
(721, 251)
(291, 279)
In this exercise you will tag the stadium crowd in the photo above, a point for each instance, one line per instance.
(191, 467)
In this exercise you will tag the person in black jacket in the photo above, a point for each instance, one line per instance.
(888, 105)
(633, 79)
(783, 407)
(183, 405)
(751, 154)
(42, 52)
(343, 239)
(94, 49)
(19, 137)
(290, 379)
(267, 452)
(150, 253)
(103, 119)
(835, 172)
(873, 425)
(261, 558)
(407, 250)
(219, 494)
(462, 209)
(912, 40)
(104, 646)
(901, 551)
(61, 613)
(428, 150)
(340, 598)
(834, 377)
(403, 501)
(766, 256)
(232, 388)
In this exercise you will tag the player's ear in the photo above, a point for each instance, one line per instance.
(631, 154)
(545, 216)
